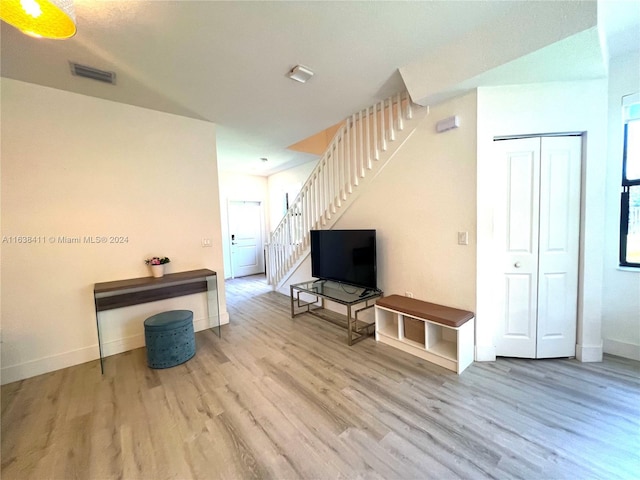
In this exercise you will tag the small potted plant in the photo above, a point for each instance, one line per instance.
(157, 265)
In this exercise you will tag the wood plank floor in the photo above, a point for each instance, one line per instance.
(288, 399)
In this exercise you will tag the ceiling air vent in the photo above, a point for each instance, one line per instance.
(93, 73)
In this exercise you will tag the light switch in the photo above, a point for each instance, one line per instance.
(206, 242)
(463, 238)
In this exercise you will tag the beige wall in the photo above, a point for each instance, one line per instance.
(79, 166)
(621, 294)
(537, 109)
(288, 181)
(418, 203)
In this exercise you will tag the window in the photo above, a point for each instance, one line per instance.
(630, 197)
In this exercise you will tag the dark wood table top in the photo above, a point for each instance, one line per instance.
(117, 285)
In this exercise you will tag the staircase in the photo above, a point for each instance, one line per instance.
(360, 148)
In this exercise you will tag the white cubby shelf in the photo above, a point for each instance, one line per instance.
(438, 334)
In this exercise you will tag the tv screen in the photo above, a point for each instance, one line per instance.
(347, 256)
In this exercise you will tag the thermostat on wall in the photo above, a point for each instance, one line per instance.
(447, 124)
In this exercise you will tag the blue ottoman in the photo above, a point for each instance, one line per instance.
(169, 338)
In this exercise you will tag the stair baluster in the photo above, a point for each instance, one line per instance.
(339, 173)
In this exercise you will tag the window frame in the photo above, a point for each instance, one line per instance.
(626, 186)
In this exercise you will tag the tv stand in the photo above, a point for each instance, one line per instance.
(318, 291)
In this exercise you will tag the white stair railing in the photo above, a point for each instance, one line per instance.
(352, 153)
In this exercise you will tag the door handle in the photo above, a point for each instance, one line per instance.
(517, 264)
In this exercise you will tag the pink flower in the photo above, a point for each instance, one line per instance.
(157, 261)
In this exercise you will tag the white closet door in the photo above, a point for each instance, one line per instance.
(560, 161)
(537, 232)
(516, 229)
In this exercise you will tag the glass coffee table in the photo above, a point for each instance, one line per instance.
(309, 297)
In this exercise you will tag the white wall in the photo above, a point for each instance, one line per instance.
(521, 32)
(621, 292)
(236, 186)
(288, 181)
(73, 166)
(536, 109)
(418, 203)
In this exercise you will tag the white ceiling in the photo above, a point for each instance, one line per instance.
(225, 62)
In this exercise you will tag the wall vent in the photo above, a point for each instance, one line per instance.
(93, 73)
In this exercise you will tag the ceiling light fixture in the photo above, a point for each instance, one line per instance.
(300, 73)
(40, 18)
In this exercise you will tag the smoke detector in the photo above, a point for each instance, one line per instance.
(300, 73)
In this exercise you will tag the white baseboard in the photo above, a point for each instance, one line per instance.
(485, 353)
(622, 349)
(39, 366)
(203, 323)
(121, 345)
(589, 353)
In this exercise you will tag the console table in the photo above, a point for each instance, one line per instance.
(347, 295)
(134, 291)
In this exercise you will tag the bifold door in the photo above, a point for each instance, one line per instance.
(537, 227)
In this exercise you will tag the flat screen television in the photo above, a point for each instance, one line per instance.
(347, 256)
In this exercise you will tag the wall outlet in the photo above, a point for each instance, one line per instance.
(206, 242)
(408, 294)
(463, 238)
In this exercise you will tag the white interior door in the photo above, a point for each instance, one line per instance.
(560, 162)
(517, 234)
(537, 229)
(245, 230)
